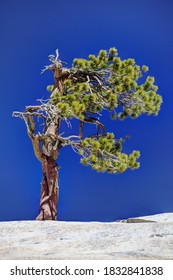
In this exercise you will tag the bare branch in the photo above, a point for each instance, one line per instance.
(32, 108)
(17, 114)
(35, 139)
(68, 123)
(94, 121)
(70, 137)
(30, 125)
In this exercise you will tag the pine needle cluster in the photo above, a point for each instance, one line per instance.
(104, 155)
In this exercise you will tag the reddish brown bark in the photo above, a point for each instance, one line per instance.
(49, 189)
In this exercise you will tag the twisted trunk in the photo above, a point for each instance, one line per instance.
(49, 185)
(49, 189)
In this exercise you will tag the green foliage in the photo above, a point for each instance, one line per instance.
(116, 85)
(104, 154)
(145, 68)
(50, 88)
(106, 82)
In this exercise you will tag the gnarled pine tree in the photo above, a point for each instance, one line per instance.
(103, 82)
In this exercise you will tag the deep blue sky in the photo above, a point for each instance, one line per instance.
(29, 32)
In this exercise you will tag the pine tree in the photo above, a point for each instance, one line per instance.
(102, 82)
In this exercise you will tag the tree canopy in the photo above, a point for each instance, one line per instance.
(102, 82)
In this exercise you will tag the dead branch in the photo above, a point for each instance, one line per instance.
(35, 139)
(81, 125)
(95, 121)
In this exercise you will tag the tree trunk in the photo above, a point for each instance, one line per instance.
(49, 189)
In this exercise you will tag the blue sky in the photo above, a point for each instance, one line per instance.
(29, 32)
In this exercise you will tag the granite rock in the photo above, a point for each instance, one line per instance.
(149, 237)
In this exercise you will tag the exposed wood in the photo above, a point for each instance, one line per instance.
(36, 146)
(81, 125)
(49, 190)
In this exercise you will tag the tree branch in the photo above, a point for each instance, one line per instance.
(30, 125)
(95, 121)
